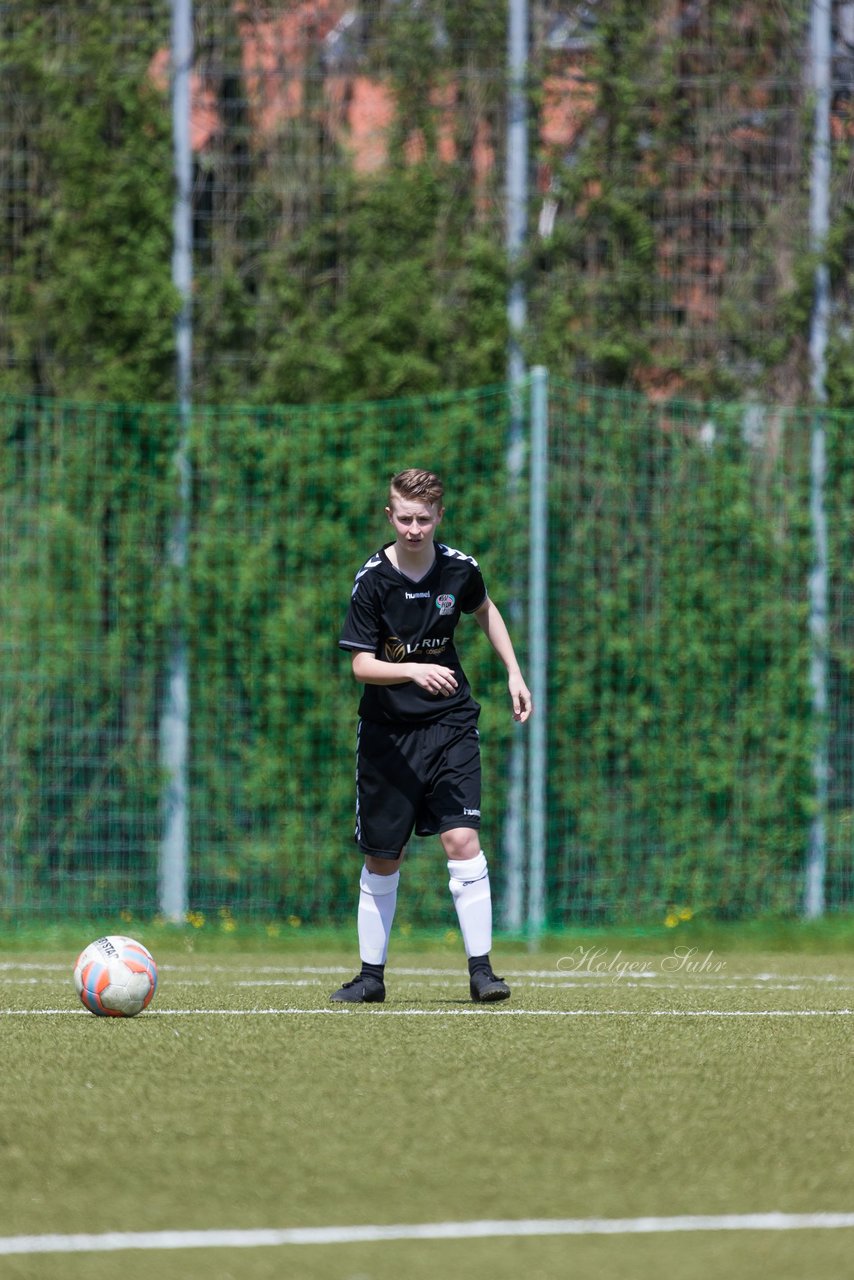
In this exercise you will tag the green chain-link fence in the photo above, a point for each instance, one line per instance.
(680, 732)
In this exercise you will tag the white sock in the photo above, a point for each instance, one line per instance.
(377, 901)
(469, 885)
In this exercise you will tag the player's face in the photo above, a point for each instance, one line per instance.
(414, 522)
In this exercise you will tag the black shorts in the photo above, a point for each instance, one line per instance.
(424, 779)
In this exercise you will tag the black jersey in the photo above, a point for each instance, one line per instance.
(398, 620)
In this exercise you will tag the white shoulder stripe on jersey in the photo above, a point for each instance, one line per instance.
(457, 555)
(366, 567)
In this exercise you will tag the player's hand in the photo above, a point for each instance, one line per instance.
(433, 678)
(520, 696)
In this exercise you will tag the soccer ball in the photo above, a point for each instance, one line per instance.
(115, 977)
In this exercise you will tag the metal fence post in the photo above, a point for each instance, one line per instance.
(538, 652)
(516, 233)
(175, 717)
(820, 44)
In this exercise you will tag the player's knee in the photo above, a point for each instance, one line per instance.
(461, 843)
(383, 866)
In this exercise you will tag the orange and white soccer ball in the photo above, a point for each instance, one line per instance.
(115, 977)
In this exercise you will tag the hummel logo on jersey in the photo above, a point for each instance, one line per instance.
(417, 595)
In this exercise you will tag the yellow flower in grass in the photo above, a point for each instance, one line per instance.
(196, 919)
(228, 924)
(677, 915)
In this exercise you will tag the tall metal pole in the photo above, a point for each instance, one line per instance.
(175, 716)
(820, 49)
(516, 231)
(538, 652)
(517, 183)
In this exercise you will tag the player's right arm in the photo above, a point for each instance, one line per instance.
(429, 676)
(362, 632)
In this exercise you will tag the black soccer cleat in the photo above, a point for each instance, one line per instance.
(363, 989)
(486, 987)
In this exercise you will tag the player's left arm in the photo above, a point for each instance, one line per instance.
(493, 626)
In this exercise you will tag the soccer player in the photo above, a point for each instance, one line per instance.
(418, 754)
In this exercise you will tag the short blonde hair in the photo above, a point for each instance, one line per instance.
(416, 484)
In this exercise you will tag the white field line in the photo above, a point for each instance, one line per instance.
(611, 984)
(489, 1012)
(614, 983)
(556, 980)
(579, 974)
(117, 1241)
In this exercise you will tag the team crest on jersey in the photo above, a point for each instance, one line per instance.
(445, 605)
(394, 649)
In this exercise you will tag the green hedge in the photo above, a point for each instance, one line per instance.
(681, 733)
(684, 744)
(678, 257)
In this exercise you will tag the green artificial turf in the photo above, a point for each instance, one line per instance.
(656, 1095)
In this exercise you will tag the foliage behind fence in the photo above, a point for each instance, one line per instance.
(349, 201)
(680, 723)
